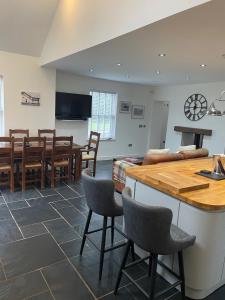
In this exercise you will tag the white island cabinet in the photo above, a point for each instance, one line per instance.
(204, 262)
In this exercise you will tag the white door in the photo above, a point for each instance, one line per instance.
(159, 119)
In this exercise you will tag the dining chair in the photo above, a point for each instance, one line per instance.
(48, 133)
(89, 152)
(61, 159)
(33, 159)
(18, 134)
(7, 160)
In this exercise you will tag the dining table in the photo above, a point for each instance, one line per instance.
(76, 152)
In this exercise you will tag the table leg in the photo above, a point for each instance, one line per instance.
(78, 165)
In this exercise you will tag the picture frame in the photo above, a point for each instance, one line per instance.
(30, 98)
(125, 107)
(137, 112)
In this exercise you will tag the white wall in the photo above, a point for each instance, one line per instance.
(23, 73)
(177, 95)
(80, 24)
(127, 129)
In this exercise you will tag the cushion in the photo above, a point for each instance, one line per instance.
(187, 148)
(202, 152)
(151, 159)
(158, 151)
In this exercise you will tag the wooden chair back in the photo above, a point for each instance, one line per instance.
(48, 133)
(94, 141)
(18, 134)
(34, 149)
(7, 151)
(62, 148)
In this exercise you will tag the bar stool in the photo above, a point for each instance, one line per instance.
(100, 199)
(155, 234)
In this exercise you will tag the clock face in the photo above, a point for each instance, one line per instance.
(195, 107)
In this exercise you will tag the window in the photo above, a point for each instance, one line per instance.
(103, 120)
(1, 106)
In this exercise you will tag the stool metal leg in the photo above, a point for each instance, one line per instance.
(126, 253)
(182, 277)
(102, 252)
(132, 251)
(85, 231)
(149, 266)
(112, 230)
(153, 275)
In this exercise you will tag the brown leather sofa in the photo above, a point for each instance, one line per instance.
(150, 159)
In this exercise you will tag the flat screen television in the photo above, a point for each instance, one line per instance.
(72, 106)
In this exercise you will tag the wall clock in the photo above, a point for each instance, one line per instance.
(195, 107)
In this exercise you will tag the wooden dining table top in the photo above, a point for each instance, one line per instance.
(18, 147)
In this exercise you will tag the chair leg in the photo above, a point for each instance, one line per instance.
(42, 178)
(85, 231)
(102, 252)
(126, 253)
(94, 168)
(112, 230)
(11, 174)
(53, 177)
(153, 275)
(182, 277)
(23, 180)
(132, 251)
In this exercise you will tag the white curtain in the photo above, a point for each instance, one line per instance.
(1, 107)
(103, 120)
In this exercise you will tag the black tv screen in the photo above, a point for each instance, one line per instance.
(72, 106)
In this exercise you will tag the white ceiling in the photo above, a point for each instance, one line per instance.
(24, 25)
(190, 38)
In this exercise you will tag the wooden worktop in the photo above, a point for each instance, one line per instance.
(211, 198)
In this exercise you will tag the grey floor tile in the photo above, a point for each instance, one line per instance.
(123, 294)
(23, 286)
(33, 230)
(66, 192)
(64, 282)
(44, 200)
(78, 187)
(88, 266)
(61, 231)
(2, 200)
(61, 204)
(80, 204)
(18, 196)
(4, 213)
(72, 215)
(17, 205)
(48, 192)
(29, 254)
(34, 214)
(42, 296)
(9, 231)
(72, 248)
(2, 275)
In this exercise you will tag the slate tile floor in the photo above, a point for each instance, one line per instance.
(40, 237)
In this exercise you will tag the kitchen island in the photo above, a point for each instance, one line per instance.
(199, 211)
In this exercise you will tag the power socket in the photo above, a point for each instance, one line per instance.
(130, 145)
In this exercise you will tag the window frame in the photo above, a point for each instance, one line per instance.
(113, 138)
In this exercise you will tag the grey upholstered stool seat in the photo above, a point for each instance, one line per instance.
(151, 228)
(100, 199)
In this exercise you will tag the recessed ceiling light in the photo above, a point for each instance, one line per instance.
(118, 64)
(203, 65)
(161, 54)
(157, 72)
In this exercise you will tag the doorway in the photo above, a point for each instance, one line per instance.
(159, 120)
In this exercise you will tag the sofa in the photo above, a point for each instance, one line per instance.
(120, 166)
